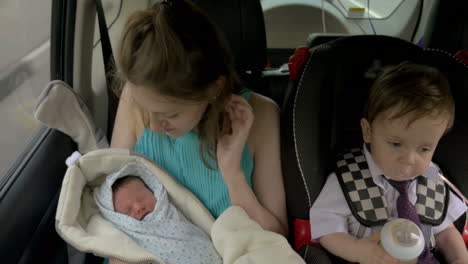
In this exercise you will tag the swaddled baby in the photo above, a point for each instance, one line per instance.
(137, 203)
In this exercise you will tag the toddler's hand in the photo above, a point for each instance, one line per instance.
(371, 252)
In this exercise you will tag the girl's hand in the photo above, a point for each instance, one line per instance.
(236, 129)
(372, 252)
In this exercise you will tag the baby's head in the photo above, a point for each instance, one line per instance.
(132, 197)
(409, 109)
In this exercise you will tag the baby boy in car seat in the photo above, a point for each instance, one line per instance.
(410, 107)
(140, 207)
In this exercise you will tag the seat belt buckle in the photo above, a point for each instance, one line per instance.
(302, 234)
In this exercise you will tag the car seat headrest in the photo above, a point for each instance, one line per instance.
(243, 25)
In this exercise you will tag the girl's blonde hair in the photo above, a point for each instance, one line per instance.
(175, 49)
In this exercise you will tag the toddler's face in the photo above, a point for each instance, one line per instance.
(134, 199)
(403, 152)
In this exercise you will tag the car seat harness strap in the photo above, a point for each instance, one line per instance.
(367, 202)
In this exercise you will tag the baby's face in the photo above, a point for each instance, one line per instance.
(401, 151)
(134, 199)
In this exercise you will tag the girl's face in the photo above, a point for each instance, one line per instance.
(172, 116)
(134, 199)
(400, 150)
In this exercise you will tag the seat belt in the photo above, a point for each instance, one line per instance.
(109, 64)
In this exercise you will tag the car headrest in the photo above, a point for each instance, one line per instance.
(243, 25)
(322, 113)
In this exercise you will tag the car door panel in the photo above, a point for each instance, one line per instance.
(28, 203)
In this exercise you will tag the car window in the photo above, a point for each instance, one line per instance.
(24, 72)
(289, 23)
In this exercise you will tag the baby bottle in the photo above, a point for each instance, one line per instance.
(403, 240)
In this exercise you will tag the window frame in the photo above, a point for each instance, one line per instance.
(30, 188)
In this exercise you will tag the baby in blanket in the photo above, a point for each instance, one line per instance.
(136, 203)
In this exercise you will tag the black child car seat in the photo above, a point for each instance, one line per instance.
(322, 112)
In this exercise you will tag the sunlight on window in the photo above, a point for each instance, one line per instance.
(24, 72)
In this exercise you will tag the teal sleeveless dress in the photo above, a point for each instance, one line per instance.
(181, 158)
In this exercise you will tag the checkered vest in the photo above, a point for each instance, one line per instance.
(366, 199)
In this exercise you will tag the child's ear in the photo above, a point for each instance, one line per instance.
(366, 130)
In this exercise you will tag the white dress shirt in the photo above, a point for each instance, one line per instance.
(330, 212)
